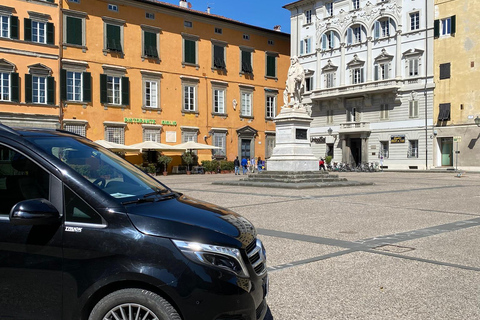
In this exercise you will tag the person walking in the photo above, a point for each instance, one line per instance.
(259, 164)
(321, 164)
(252, 165)
(236, 163)
(244, 164)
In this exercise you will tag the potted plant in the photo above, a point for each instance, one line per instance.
(189, 159)
(164, 161)
(152, 169)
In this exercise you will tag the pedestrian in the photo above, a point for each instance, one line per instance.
(259, 164)
(252, 165)
(381, 162)
(236, 163)
(321, 164)
(244, 164)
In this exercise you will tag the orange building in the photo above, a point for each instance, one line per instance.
(145, 70)
(29, 63)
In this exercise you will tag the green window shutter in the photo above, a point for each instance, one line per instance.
(13, 27)
(218, 57)
(87, 87)
(103, 88)
(453, 20)
(271, 66)
(50, 90)
(125, 91)
(74, 31)
(14, 87)
(436, 28)
(27, 28)
(50, 33)
(28, 88)
(190, 54)
(63, 84)
(375, 73)
(150, 44)
(113, 38)
(246, 62)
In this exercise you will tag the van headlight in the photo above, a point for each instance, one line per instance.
(225, 258)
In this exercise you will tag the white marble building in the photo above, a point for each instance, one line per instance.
(369, 66)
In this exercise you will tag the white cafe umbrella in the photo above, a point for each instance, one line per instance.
(116, 147)
(192, 145)
(152, 146)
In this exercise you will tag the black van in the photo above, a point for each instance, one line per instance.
(86, 235)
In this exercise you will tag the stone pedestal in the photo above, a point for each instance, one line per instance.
(292, 151)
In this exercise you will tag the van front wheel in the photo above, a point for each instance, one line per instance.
(131, 304)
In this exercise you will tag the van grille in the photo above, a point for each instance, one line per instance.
(256, 256)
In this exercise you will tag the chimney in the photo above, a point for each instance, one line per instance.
(277, 28)
(183, 4)
(208, 10)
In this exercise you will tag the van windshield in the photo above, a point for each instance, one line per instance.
(105, 170)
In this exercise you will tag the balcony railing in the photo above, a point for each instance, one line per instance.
(355, 89)
(354, 127)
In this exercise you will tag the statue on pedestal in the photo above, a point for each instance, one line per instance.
(294, 85)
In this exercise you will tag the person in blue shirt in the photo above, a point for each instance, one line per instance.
(244, 165)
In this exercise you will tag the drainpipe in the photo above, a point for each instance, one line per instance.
(60, 56)
(426, 79)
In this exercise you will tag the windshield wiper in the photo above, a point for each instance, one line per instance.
(139, 200)
(164, 194)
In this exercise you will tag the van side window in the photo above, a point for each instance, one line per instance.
(77, 210)
(20, 179)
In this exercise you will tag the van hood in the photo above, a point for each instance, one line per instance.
(185, 218)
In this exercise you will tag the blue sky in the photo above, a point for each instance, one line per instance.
(260, 13)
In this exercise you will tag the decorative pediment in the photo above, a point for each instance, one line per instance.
(40, 69)
(6, 66)
(356, 62)
(247, 131)
(329, 67)
(413, 53)
(384, 57)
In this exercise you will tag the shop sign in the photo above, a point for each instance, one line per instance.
(169, 123)
(139, 120)
(397, 139)
(317, 139)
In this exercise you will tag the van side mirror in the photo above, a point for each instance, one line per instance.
(34, 212)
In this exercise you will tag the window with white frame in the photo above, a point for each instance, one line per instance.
(354, 35)
(4, 26)
(446, 26)
(413, 109)
(151, 93)
(39, 89)
(352, 115)
(308, 16)
(329, 8)
(189, 97)
(357, 75)
(328, 40)
(114, 90)
(384, 111)
(189, 134)
(74, 86)
(270, 105)
(151, 134)
(382, 28)
(113, 7)
(356, 4)
(246, 103)
(381, 71)
(39, 31)
(5, 86)
(219, 100)
(412, 149)
(384, 149)
(413, 69)
(306, 46)
(415, 20)
(115, 134)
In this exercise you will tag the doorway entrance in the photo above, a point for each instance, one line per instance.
(356, 150)
(446, 146)
(245, 145)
